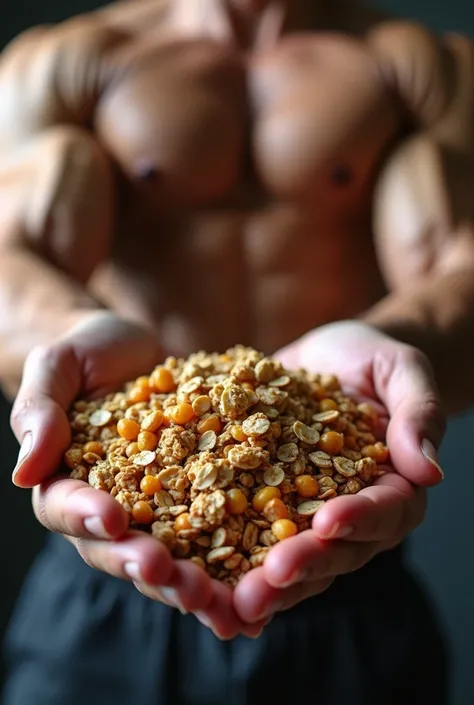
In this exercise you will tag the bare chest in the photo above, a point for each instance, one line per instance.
(246, 212)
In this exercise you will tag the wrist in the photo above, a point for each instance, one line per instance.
(48, 327)
(435, 343)
(401, 330)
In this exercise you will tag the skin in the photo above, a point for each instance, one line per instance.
(174, 180)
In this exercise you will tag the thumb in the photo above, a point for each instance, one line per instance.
(111, 351)
(96, 357)
(51, 381)
(405, 384)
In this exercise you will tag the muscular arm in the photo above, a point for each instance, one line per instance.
(424, 207)
(56, 185)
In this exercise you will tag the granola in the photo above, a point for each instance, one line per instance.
(220, 457)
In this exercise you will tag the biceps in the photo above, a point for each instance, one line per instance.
(50, 75)
(23, 95)
(57, 199)
(423, 209)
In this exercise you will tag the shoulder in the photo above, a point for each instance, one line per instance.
(50, 74)
(418, 64)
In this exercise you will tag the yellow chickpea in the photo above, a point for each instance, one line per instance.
(264, 496)
(284, 529)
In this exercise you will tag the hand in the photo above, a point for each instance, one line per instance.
(351, 529)
(96, 357)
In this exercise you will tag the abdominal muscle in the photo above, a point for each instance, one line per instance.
(261, 278)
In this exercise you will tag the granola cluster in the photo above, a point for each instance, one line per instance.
(222, 456)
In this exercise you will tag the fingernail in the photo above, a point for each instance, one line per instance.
(258, 635)
(171, 596)
(25, 449)
(133, 572)
(220, 637)
(270, 612)
(339, 531)
(204, 619)
(95, 526)
(294, 578)
(431, 455)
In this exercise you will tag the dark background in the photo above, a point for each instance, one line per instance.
(441, 550)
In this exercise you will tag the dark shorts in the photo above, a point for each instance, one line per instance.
(79, 637)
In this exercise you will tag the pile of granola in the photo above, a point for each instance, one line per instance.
(221, 456)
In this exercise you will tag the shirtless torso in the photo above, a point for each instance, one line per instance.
(210, 169)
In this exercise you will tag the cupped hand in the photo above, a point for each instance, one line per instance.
(350, 530)
(94, 358)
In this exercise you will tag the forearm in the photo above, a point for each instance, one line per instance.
(437, 317)
(38, 303)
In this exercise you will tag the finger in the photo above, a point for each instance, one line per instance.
(222, 618)
(255, 599)
(387, 511)
(211, 602)
(406, 386)
(135, 556)
(399, 375)
(308, 557)
(51, 380)
(74, 508)
(188, 587)
(86, 359)
(110, 351)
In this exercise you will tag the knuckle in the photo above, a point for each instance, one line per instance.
(39, 356)
(320, 587)
(338, 561)
(152, 593)
(417, 510)
(414, 357)
(404, 522)
(22, 408)
(97, 555)
(49, 505)
(38, 500)
(411, 357)
(328, 562)
(389, 545)
(358, 557)
(431, 406)
(315, 587)
(374, 524)
(26, 400)
(83, 549)
(71, 523)
(411, 515)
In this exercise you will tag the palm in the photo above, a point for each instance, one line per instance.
(103, 352)
(95, 358)
(346, 350)
(398, 379)
(395, 377)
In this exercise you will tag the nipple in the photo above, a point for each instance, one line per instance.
(147, 172)
(342, 175)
